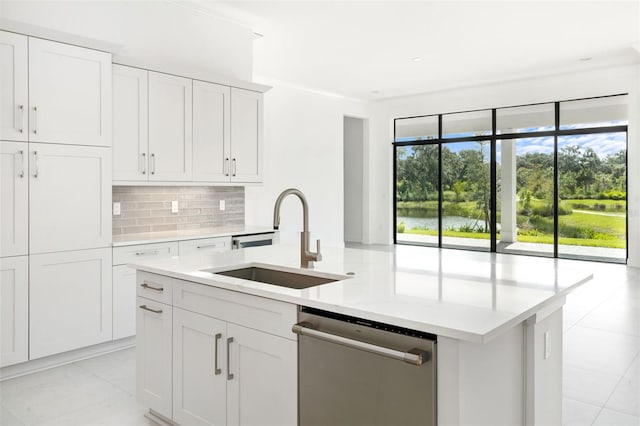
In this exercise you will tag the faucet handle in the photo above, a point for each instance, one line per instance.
(318, 254)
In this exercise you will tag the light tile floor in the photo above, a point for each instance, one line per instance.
(601, 368)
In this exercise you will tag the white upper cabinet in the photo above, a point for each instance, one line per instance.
(69, 197)
(211, 132)
(14, 193)
(170, 128)
(246, 135)
(130, 124)
(69, 94)
(13, 87)
(174, 129)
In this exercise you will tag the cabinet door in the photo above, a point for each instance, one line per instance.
(14, 193)
(153, 355)
(264, 388)
(69, 301)
(199, 369)
(170, 128)
(69, 94)
(69, 197)
(130, 138)
(246, 136)
(211, 132)
(14, 310)
(124, 302)
(13, 87)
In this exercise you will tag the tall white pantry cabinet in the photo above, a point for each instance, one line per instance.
(55, 189)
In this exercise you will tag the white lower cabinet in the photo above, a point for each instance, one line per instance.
(124, 282)
(199, 369)
(153, 355)
(14, 310)
(264, 388)
(69, 300)
(124, 302)
(221, 372)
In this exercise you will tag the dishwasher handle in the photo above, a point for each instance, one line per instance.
(413, 356)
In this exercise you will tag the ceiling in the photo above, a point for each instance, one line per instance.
(366, 49)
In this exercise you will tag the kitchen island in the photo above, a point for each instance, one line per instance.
(497, 318)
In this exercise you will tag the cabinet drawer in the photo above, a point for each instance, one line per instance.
(127, 254)
(259, 313)
(218, 244)
(154, 287)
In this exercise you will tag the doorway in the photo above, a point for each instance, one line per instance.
(354, 133)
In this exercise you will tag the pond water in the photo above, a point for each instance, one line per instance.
(432, 222)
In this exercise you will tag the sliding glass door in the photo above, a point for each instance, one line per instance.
(545, 179)
(526, 194)
(417, 194)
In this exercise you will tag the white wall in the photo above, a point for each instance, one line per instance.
(159, 32)
(545, 89)
(303, 142)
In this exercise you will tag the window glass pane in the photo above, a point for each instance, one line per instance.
(416, 129)
(525, 191)
(593, 192)
(466, 192)
(417, 194)
(475, 123)
(522, 119)
(589, 113)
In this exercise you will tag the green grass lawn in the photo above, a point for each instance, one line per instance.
(615, 226)
(611, 206)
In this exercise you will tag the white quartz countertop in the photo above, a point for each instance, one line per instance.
(187, 234)
(470, 296)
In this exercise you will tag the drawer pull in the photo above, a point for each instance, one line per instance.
(217, 370)
(150, 287)
(210, 245)
(147, 253)
(155, 311)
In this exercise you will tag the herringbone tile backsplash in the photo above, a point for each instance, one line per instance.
(148, 208)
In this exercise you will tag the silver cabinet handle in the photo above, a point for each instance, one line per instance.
(35, 120)
(235, 167)
(143, 160)
(150, 287)
(35, 164)
(217, 370)
(19, 124)
(147, 253)
(226, 166)
(208, 246)
(155, 311)
(413, 356)
(229, 373)
(20, 163)
(153, 164)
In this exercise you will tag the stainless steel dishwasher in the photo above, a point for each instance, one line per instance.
(359, 372)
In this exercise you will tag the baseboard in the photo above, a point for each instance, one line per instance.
(57, 360)
(159, 419)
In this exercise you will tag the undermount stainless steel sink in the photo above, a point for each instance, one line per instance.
(278, 277)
